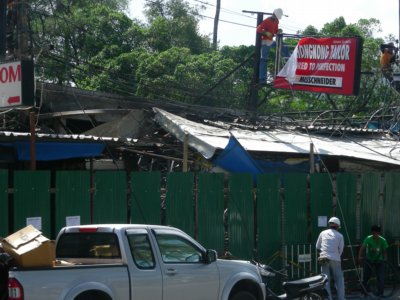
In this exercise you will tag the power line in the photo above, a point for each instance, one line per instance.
(226, 10)
(230, 22)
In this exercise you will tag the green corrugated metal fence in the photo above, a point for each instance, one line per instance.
(392, 205)
(32, 199)
(145, 197)
(210, 210)
(371, 202)
(4, 230)
(295, 208)
(110, 197)
(269, 216)
(72, 198)
(180, 202)
(320, 203)
(346, 204)
(241, 212)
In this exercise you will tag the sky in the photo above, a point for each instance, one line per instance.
(299, 13)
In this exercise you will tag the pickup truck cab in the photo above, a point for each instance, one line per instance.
(107, 262)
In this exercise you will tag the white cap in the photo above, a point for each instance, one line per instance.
(278, 12)
(334, 220)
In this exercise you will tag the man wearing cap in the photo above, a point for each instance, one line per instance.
(330, 246)
(267, 28)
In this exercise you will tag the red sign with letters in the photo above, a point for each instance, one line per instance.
(323, 65)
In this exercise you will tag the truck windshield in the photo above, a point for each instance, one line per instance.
(88, 245)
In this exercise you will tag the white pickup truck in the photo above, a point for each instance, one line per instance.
(129, 262)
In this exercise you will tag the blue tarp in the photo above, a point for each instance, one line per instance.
(234, 158)
(46, 151)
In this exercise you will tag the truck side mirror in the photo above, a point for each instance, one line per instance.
(211, 256)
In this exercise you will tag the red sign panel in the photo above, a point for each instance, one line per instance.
(16, 83)
(323, 65)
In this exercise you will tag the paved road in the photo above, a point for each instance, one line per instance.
(395, 296)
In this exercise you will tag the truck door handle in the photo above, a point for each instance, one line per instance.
(171, 271)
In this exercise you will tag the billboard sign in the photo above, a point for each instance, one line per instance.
(323, 65)
(16, 84)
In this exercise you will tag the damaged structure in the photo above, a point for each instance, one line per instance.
(137, 134)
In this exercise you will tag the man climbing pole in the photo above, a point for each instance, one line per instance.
(388, 57)
(268, 29)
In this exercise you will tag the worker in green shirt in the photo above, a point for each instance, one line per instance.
(374, 247)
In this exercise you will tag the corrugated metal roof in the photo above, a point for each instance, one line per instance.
(207, 139)
(67, 137)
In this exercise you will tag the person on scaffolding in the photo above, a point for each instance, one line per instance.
(330, 245)
(374, 247)
(268, 29)
(388, 57)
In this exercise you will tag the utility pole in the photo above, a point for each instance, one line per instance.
(216, 21)
(257, 56)
(32, 126)
(23, 30)
(23, 53)
(3, 29)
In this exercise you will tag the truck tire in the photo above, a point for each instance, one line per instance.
(243, 295)
(93, 295)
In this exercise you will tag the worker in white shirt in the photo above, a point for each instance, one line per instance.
(330, 246)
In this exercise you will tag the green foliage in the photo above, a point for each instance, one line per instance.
(334, 28)
(81, 33)
(174, 23)
(179, 75)
(97, 47)
(310, 31)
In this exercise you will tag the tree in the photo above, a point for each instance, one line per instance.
(82, 33)
(310, 31)
(173, 23)
(178, 75)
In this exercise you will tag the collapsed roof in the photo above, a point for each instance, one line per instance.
(207, 139)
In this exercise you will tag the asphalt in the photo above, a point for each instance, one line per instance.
(360, 296)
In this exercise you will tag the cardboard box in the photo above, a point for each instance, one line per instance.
(30, 248)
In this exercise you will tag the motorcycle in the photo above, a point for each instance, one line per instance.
(310, 288)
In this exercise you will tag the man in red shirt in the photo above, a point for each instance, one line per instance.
(267, 28)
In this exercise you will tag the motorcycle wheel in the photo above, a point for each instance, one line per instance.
(243, 295)
(312, 296)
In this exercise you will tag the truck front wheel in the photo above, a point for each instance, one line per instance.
(243, 295)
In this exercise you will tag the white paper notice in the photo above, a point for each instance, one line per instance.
(73, 220)
(322, 221)
(35, 222)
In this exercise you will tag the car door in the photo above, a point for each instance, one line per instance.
(185, 274)
(145, 271)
